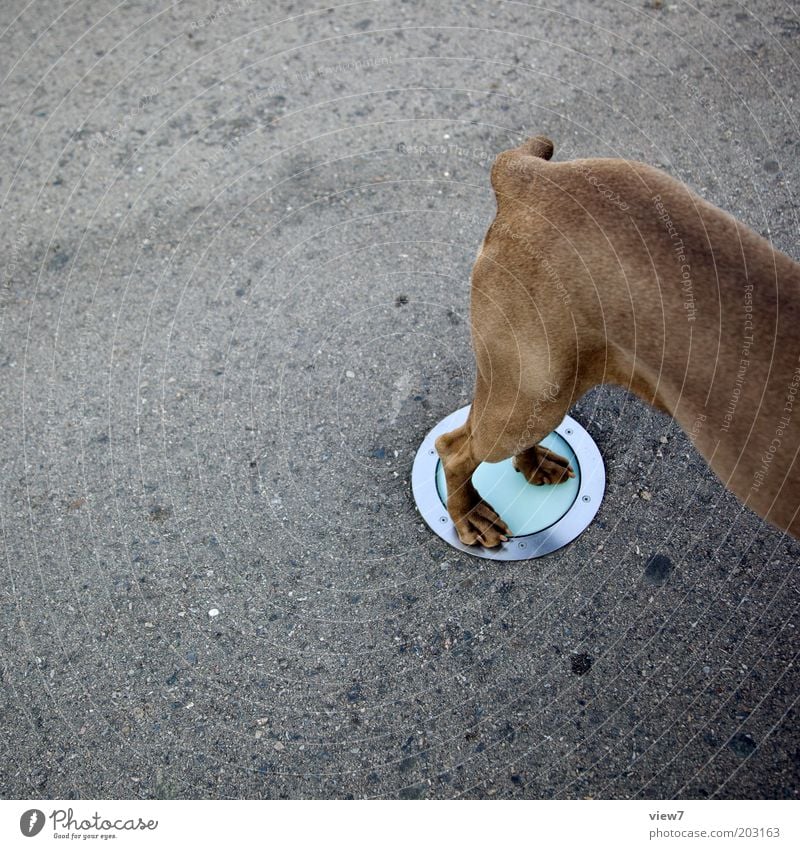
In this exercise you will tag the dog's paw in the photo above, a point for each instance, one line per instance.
(482, 526)
(542, 466)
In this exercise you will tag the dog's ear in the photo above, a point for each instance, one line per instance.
(540, 146)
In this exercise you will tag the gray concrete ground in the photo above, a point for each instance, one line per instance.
(237, 240)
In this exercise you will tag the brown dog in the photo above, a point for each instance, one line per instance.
(609, 271)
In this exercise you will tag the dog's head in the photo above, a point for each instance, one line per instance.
(511, 167)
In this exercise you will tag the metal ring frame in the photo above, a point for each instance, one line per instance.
(526, 547)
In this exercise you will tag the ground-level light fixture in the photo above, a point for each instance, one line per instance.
(542, 518)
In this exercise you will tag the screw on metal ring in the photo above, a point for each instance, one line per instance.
(586, 498)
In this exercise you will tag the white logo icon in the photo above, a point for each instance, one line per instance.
(31, 822)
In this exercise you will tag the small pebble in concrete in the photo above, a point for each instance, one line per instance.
(581, 663)
(213, 612)
(415, 791)
(159, 512)
(658, 569)
(742, 745)
(58, 261)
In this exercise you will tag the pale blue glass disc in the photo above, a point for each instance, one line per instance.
(525, 508)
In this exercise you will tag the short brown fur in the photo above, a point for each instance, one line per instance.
(610, 271)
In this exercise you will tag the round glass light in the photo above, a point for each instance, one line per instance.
(542, 518)
(525, 508)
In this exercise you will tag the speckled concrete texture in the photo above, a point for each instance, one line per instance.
(234, 298)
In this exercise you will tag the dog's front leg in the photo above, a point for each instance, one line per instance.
(499, 426)
(475, 521)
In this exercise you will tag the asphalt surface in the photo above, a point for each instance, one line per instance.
(237, 241)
